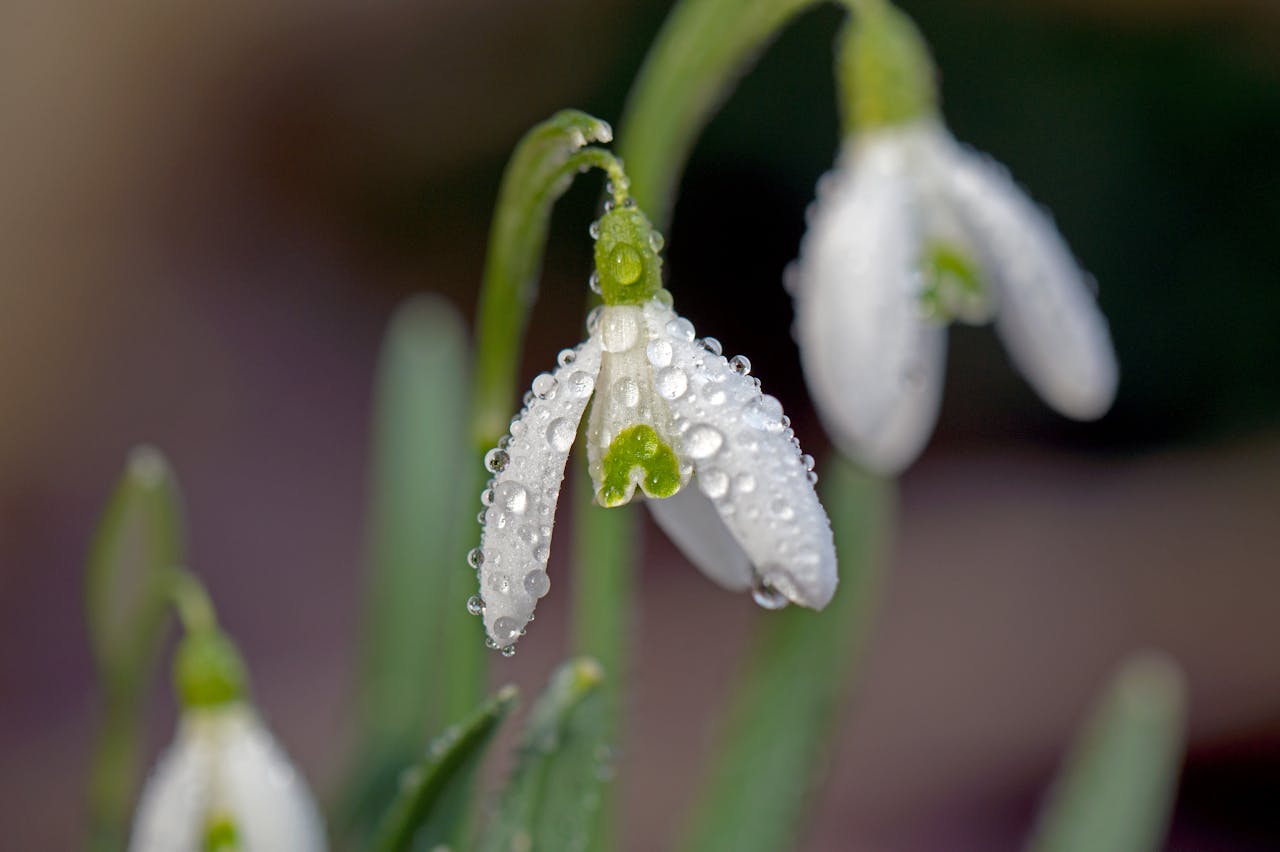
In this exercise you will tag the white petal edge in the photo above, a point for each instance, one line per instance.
(1048, 317)
(746, 462)
(516, 539)
(693, 524)
(225, 759)
(870, 357)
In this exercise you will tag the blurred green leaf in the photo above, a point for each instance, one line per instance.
(1116, 789)
(132, 563)
(604, 555)
(426, 812)
(782, 717)
(416, 671)
(550, 801)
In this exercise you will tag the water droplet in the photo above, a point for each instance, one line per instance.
(619, 329)
(626, 391)
(593, 319)
(813, 478)
(628, 202)
(656, 241)
(808, 462)
(627, 264)
(659, 353)
(671, 382)
(716, 397)
(744, 483)
(664, 297)
(703, 441)
(475, 557)
(560, 434)
(580, 384)
(509, 651)
(712, 345)
(496, 460)
(594, 230)
(544, 386)
(566, 357)
(486, 497)
(782, 509)
(511, 496)
(475, 605)
(764, 413)
(594, 283)
(608, 205)
(767, 597)
(480, 518)
(713, 482)
(681, 329)
(537, 583)
(505, 629)
(490, 644)
(740, 364)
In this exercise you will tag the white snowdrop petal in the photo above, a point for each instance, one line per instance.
(225, 762)
(863, 337)
(745, 459)
(900, 439)
(693, 524)
(516, 539)
(1048, 317)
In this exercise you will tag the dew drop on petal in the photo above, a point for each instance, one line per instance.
(560, 434)
(767, 597)
(475, 605)
(537, 583)
(566, 357)
(593, 319)
(671, 382)
(744, 483)
(509, 651)
(505, 629)
(808, 461)
(594, 283)
(580, 384)
(659, 353)
(712, 345)
(703, 441)
(740, 364)
(656, 241)
(681, 329)
(626, 392)
(475, 557)
(713, 482)
(544, 386)
(594, 230)
(496, 460)
(511, 497)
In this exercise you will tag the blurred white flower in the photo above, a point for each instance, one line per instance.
(909, 232)
(666, 408)
(224, 783)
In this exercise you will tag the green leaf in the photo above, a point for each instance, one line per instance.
(426, 811)
(422, 664)
(783, 713)
(540, 170)
(702, 50)
(550, 801)
(132, 563)
(1116, 789)
(605, 550)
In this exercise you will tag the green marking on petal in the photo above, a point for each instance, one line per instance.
(954, 288)
(638, 456)
(630, 269)
(220, 835)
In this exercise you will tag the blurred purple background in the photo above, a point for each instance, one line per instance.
(207, 214)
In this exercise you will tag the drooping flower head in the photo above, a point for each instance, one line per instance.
(672, 421)
(224, 783)
(910, 232)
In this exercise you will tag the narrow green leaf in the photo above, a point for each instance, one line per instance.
(604, 555)
(1116, 789)
(551, 798)
(416, 669)
(782, 717)
(132, 562)
(693, 64)
(422, 814)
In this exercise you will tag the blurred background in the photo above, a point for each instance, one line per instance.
(208, 212)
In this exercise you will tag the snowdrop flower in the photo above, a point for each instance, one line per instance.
(224, 783)
(672, 420)
(912, 231)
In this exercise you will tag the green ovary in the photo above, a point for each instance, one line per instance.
(953, 287)
(220, 835)
(638, 456)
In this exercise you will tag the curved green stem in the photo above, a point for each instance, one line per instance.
(539, 172)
